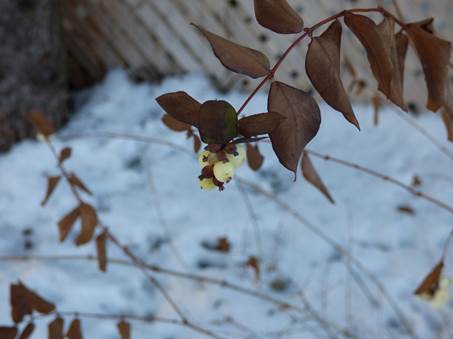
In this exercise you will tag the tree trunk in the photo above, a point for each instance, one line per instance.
(32, 66)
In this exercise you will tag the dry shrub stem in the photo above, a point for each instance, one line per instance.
(134, 259)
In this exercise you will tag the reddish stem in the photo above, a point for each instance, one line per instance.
(308, 32)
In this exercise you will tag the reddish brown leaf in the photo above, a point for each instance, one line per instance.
(27, 332)
(262, 123)
(65, 154)
(430, 284)
(76, 182)
(20, 302)
(196, 143)
(237, 58)
(447, 117)
(124, 328)
(253, 262)
(302, 122)
(278, 16)
(101, 249)
(55, 328)
(323, 67)
(425, 24)
(24, 301)
(8, 332)
(67, 222)
(75, 330)
(89, 221)
(181, 106)
(173, 124)
(384, 56)
(254, 158)
(311, 175)
(52, 183)
(218, 122)
(41, 123)
(434, 54)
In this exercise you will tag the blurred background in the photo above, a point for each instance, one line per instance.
(50, 47)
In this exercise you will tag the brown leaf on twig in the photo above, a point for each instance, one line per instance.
(65, 154)
(218, 122)
(52, 183)
(254, 263)
(41, 123)
(124, 329)
(323, 68)
(311, 175)
(67, 222)
(302, 122)
(24, 301)
(101, 249)
(434, 55)
(180, 106)
(278, 16)
(257, 124)
(8, 332)
(75, 330)
(89, 221)
(237, 58)
(173, 124)
(254, 158)
(430, 284)
(27, 332)
(55, 328)
(76, 182)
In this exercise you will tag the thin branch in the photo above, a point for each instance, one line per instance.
(383, 177)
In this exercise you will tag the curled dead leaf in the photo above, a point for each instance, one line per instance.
(257, 124)
(101, 249)
(55, 328)
(75, 181)
(75, 330)
(8, 332)
(27, 331)
(237, 58)
(311, 175)
(430, 283)
(67, 222)
(180, 106)
(24, 301)
(173, 124)
(323, 68)
(41, 123)
(124, 328)
(89, 221)
(52, 183)
(302, 122)
(278, 16)
(65, 154)
(254, 158)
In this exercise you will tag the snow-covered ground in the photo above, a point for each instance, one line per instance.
(150, 198)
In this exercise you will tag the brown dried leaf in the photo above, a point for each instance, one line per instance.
(196, 143)
(52, 183)
(430, 284)
(24, 301)
(8, 332)
(55, 328)
(75, 330)
(278, 16)
(101, 249)
(323, 68)
(124, 328)
(425, 24)
(173, 124)
(181, 106)
(20, 302)
(254, 157)
(65, 154)
(405, 209)
(447, 117)
(223, 245)
(67, 222)
(302, 122)
(434, 54)
(89, 221)
(376, 101)
(384, 56)
(41, 123)
(254, 263)
(262, 123)
(27, 332)
(311, 175)
(76, 182)
(218, 122)
(237, 58)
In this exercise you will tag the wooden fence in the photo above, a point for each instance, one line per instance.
(153, 38)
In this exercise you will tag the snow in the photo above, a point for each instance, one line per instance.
(149, 197)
